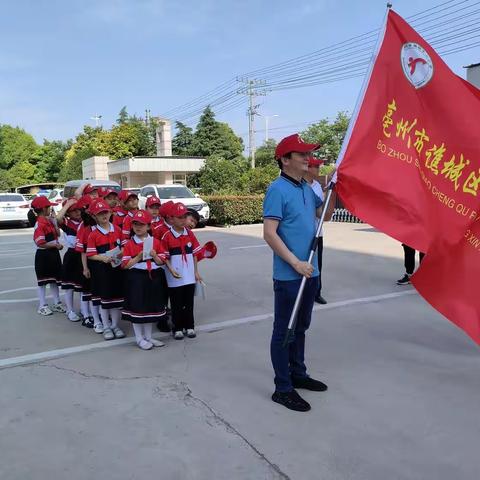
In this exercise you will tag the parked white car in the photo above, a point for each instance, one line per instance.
(56, 197)
(14, 208)
(176, 193)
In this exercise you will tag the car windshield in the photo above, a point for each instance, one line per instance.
(11, 198)
(175, 192)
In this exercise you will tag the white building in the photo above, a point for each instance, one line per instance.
(138, 171)
(473, 74)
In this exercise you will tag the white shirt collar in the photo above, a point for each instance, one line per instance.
(137, 239)
(105, 232)
(176, 234)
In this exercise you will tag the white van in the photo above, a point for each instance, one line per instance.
(72, 185)
(176, 193)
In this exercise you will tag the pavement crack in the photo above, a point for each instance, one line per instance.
(231, 429)
(96, 376)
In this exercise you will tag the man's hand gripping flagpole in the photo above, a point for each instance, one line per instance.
(293, 317)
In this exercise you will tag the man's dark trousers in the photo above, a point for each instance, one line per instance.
(290, 361)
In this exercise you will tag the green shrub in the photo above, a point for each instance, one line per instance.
(235, 209)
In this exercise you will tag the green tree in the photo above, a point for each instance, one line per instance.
(182, 142)
(122, 116)
(329, 134)
(265, 154)
(49, 160)
(256, 180)
(215, 138)
(86, 144)
(16, 146)
(21, 173)
(219, 175)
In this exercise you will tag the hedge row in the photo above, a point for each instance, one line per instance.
(235, 209)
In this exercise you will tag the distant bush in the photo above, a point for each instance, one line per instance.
(235, 209)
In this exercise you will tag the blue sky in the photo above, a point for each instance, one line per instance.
(63, 61)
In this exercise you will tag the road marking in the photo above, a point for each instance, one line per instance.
(63, 352)
(17, 243)
(249, 246)
(22, 252)
(20, 300)
(17, 268)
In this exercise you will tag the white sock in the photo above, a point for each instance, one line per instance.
(68, 296)
(147, 328)
(95, 313)
(104, 313)
(55, 292)
(138, 329)
(84, 308)
(116, 315)
(42, 295)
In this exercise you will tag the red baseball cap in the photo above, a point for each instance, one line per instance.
(209, 250)
(41, 202)
(142, 216)
(105, 191)
(153, 200)
(314, 161)
(165, 209)
(74, 206)
(98, 207)
(177, 210)
(124, 195)
(294, 143)
(89, 188)
(85, 201)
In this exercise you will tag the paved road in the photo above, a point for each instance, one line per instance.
(402, 403)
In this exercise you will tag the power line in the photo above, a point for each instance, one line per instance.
(330, 64)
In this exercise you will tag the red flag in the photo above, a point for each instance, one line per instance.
(411, 168)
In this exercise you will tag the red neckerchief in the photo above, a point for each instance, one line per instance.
(184, 239)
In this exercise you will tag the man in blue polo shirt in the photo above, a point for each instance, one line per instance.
(289, 211)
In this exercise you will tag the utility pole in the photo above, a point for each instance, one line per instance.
(97, 119)
(267, 119)
(251, 89)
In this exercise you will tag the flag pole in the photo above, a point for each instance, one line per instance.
(296, 306)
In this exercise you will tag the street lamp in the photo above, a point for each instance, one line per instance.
(267, 118)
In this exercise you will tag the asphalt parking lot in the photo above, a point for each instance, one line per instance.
(403, 382)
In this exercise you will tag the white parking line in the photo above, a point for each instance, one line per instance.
(63, 352)
(16, 254)
(249, 246)
(17, 268)
(17, 243)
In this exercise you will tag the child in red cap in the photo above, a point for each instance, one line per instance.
(48, 264)
(160, 229)
(182, 272)
(89, 308)
(107, 278)
(69, 219)
(145, 283)
(130, 201)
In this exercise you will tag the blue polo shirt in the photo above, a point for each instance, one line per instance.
(294, 205)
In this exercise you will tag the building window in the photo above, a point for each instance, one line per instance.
(180, 178)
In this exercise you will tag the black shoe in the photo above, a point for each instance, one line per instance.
(292, 400)
(319, 299)
(309, 384)
(405, 280)
(88, 322)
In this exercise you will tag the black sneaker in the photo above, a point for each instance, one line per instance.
(405, 280)
(319, 299)
(309, 384)
(88, 322)
(292, 400)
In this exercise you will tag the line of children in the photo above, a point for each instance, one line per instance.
(107, 264)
